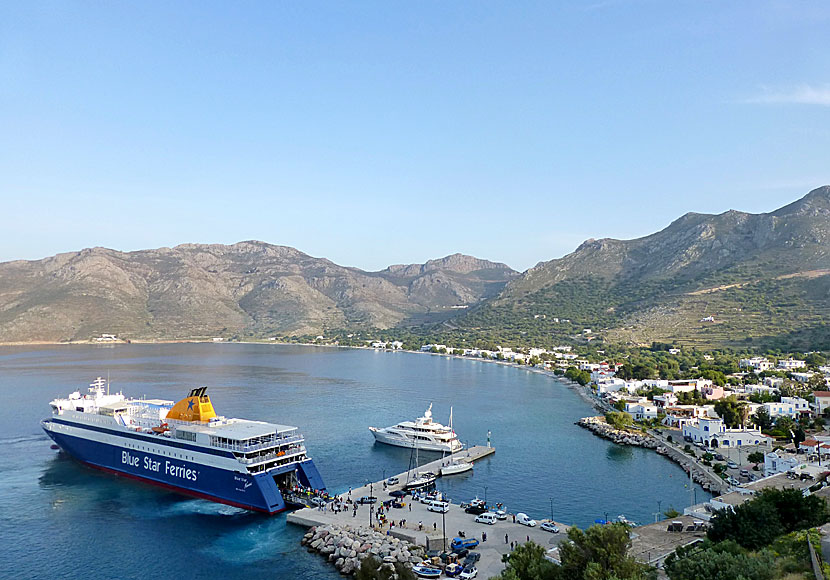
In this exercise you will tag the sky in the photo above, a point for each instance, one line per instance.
(376, 133)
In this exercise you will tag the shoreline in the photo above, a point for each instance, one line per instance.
(701, 475)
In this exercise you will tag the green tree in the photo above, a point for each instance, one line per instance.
(527, 562)
(601, 552)
(722, 561)
(727, 409)
(618, 419)
(373, 569)
(762, 419)
(773, 512)
(756, 457)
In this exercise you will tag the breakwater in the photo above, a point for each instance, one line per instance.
(598, 426)
(701, 475)
(346, 547)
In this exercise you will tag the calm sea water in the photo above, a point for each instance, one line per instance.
(59, 519)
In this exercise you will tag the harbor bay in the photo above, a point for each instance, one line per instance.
(75, 518)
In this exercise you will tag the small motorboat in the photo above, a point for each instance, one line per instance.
(456, 467)
(424, 570)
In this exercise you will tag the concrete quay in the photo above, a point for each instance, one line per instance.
(426, 528)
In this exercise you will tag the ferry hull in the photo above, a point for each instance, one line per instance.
(257, 492)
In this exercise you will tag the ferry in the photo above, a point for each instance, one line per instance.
(185, 447)
(423, 433)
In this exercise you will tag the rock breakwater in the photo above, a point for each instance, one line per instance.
(346, 547)
(598, 426)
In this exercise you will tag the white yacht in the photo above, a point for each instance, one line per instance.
(423, 433)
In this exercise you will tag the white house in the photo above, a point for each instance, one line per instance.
(641, 411)
(802, 377)
(822, 402)
(665, 400)
(688, 385)
(757, 364)
(780, 462)
(790, 364)
(800, 406)
(713, 433)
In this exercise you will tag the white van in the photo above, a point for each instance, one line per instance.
(525, 520)
(486, 518)
(441, 507)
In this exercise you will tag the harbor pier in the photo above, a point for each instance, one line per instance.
(417, 525)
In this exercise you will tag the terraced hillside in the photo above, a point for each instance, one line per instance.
(705, 280)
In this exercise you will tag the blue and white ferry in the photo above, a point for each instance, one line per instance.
(185, 447)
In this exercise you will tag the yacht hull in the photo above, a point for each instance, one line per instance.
(392, 439)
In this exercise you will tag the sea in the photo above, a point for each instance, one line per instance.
(60, 519)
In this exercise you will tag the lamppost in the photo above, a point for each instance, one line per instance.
(659, 507)
(444, 527)
(551, 509)
(606, 518)
(485, 494)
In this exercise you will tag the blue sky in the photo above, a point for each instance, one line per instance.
(374, 133)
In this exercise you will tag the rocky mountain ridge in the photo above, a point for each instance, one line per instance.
(251, 288)
(758, 275)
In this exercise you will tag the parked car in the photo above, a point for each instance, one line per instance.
(731, 464)
(549, 527)
(486, 518)
(501, 514)
(392, 481)
(525, 520)
(719, 457)
(367, 499)
(475, 509)
(472, 558)
(468, 572)
(744, 473)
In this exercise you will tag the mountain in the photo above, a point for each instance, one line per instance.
(762, 277)
(249, 288)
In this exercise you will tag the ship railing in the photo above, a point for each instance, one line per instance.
(246, 448)
(271, 457)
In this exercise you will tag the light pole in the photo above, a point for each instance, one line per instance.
(485, 495)
(444, 527)
(551, 509)
(606, 518)
(659, 507)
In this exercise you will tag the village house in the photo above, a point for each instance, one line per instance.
(790, 364)
(822, 402)
(713, 433)
(643, 409)
(757, 364)
(780, 462)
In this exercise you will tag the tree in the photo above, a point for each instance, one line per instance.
(719, 561)
(756, 457)
(773, 512)
(601, 552)
(527, 562)
(814, 359)
(618, 419)
(762, 419)
(373, 569)
(727, 409)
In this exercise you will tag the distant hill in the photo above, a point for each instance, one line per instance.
(249, 288)
(760, 277)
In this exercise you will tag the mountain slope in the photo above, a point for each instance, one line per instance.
(759, 275)
(249, 288)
